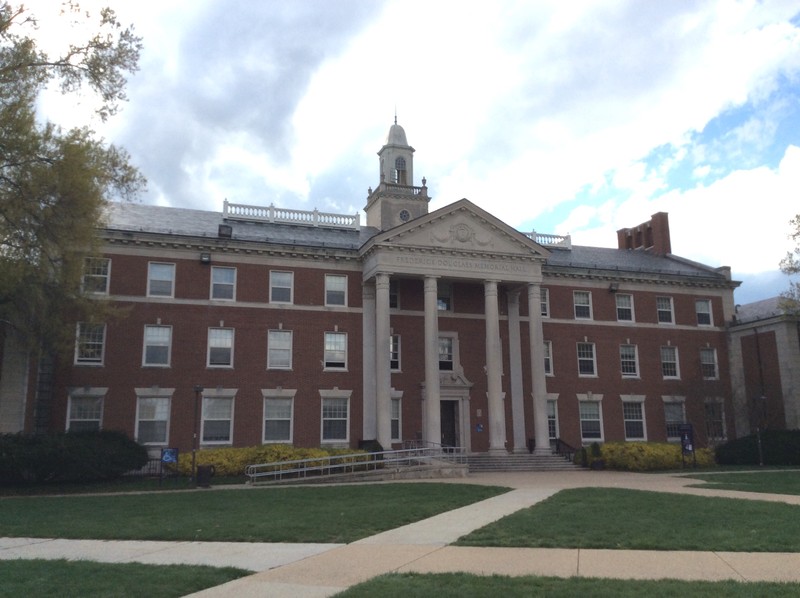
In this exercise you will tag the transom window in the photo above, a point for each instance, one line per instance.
(90, 344)
(669, 362)
(591, 421)
(335, 351)
(152, 420)
(583, 305)
(624, 307)
(586, 360)
(703, 309)
(633, 415)
(157, 345)
(281, 285)
(96, 275)
(629, 361)
(708, 363)
(223, 283)
(335, 289)
(278, 419)
(664, 309)
(220, 347)
(161, 280)
(279, 350)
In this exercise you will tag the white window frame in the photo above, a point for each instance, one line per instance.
(149, 343)
(215, 398)
(222, 285)
(553, 432)
(396, 416)
(590, 399)
(704, 363)
(85, 405)
(671, 425)
(578, 298)
(627, 402)
(214, 342)
(333, 293)
(665, 362)
(89, 335)
(447, 348)
(704, 313)
(277, 345)
(544, 302)
(162, 397)
(622, 361)
(282, 396)
(96, 275)
(548, 358)
(274, 286)
(584, 359)
(331, 353)
(333, 401)
(662, 309)
(394, 353)
(163, 267)
(620, 297)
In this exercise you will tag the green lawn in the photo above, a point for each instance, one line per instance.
(632, 519)
(462, 585)
(57, 579)
(336, 514)
(772, 482)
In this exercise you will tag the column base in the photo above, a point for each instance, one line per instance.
(539, 451)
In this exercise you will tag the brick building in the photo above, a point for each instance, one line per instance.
(260, 324)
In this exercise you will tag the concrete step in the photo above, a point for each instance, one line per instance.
(511, 462)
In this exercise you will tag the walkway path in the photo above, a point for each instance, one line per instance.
(317, 570)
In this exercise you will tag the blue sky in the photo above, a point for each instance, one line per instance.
(573, 117)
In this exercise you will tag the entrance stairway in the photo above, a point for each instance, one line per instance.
(519, 462)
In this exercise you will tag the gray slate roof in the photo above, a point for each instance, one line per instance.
(759, 310)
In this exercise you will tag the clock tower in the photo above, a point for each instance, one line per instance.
(396, 200)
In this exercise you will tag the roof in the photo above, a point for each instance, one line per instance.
(759, 310)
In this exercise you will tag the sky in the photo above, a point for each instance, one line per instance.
(578, 117)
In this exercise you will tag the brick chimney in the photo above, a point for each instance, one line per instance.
(652, 235)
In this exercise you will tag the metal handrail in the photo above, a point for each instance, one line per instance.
(564, 449)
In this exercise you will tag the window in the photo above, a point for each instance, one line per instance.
(444, 297)
(152, 420)
(90, 344)
(96, 273)
(394, 295)
(664, 309)
(629, 361)
(715, 420)
(591, 420)
(545, 302)
(334, 419)
(552, 419)
(279, 350)
(335, 351)
(223, 283)
(669, 362)
(624, 307)
(703, 309)
(335, 289)
(160, 280)
(220, 347)
(586, 361)
(633, 416)
(157, 344)
(446, 362)
(281, 285)
(583, 305)
(673, 417)
(394, 352)
(548, 358)
(278, 419)
(85, 411)
(708, 363)
(395, 420)
(217, 421)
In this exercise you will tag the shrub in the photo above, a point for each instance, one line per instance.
(779, 447)
(68, 457)
(647, 456)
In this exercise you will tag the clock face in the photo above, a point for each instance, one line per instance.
(404, 215)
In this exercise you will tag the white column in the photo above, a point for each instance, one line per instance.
(497, 419)
(382, 366)
(369, 423)
(433, 425)
(515, 366)
(537, 370)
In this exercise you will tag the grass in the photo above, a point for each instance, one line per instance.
(337, 514)
(638, 520)
(462, 585)
(124, 484)
(56, 579)
(772, 482)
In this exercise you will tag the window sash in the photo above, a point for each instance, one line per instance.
(548, 358)
(394, 352)
(395, 419)
(335, 289)
(161, 279)
(674, 417)
(277, 420)
(669, 362)
(544, 302)
(96, 275)
(629, 362)
(552, 420)
(223, 282)
(583, 305)
(279, 349)
(335, 350)
(715, 420)
(152, 420)
(664, 309)
(85, 414)
(217, 419)
(157, 341)
(281, 285)
(591, 428)
(586, 362)
(708, 364)
(334, 419)
(703, 310)
(446, 353)
(220, 347)
(633, 416)
(624, 308)
(90, 343)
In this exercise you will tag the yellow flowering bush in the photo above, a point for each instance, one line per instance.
(650, 456)
(228, 461)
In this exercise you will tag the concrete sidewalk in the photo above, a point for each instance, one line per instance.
(316, 570)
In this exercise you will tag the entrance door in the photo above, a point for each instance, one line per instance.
(449, 418)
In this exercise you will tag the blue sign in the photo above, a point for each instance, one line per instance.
(169, 455)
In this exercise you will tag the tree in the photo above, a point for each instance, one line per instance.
(54, 184)
(790, 265)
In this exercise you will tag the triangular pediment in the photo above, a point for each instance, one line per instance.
(461, 227)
